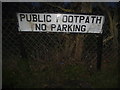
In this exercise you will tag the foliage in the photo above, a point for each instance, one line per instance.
(39, 60)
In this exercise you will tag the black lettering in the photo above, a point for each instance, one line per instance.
(83, 28)
(40, 26)
(43, 26)
(74, 28)
(87, 20)
(39, 19)
(53, 26)
(64, 19)
(37, 27)
(44, 19)
(78, 27)
(22, 16)
(93, 19)
(59, 27)
(64, 26)
(34, 18)
(76, 18)
(69, 27)
(98, 20)
(48, 18)
(28, 18)
(70, 19)
(81, 18)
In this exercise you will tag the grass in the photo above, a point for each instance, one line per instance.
(107, 78)
(32, 74)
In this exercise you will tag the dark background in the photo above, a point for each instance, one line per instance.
(39, 60)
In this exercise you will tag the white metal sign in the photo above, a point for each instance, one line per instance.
(73, 23)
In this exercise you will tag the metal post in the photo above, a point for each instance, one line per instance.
(99, 51)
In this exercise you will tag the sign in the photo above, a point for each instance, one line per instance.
(73, 23)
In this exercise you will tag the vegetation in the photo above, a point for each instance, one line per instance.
(22, 74)
(47, 60)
